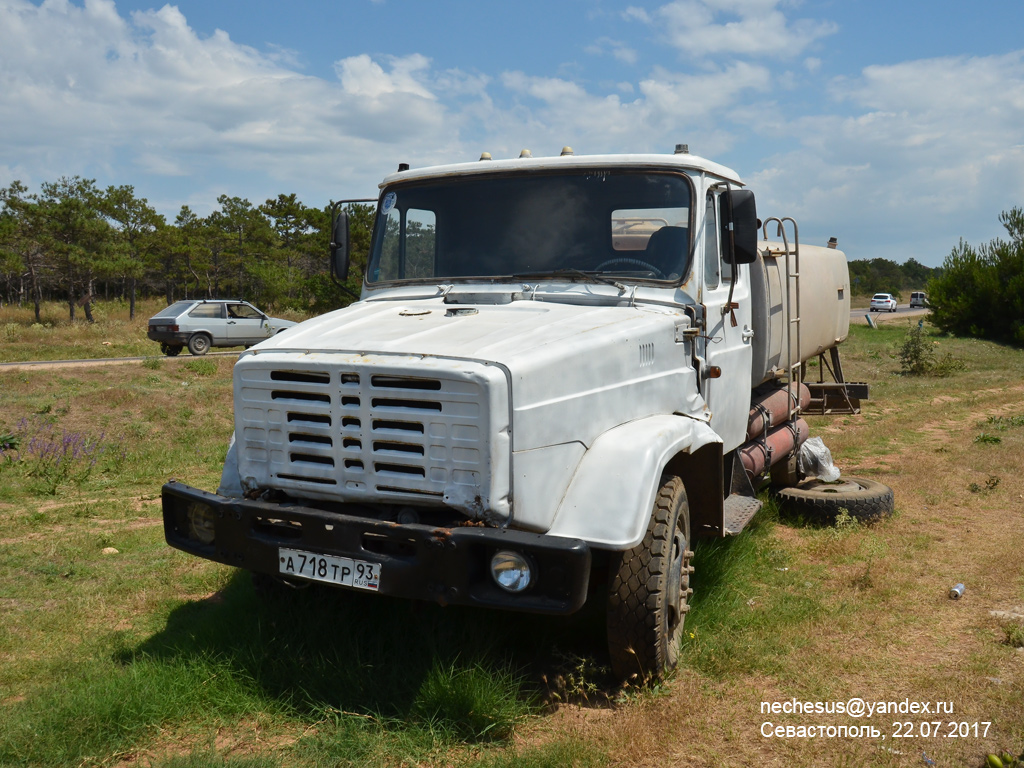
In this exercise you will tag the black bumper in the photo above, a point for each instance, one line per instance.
(167, 337)
(446, 565)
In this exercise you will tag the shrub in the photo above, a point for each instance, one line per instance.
(981, 290)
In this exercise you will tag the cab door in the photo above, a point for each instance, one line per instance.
(727, 350)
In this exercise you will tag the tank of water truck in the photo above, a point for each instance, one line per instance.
(824, 304)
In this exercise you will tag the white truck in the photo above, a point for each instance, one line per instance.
(559, 367)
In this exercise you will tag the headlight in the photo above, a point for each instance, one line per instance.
(511, 571)
(200, 523)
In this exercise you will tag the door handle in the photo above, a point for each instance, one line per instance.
(747, 334)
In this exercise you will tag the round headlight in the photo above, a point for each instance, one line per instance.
(511, 571)
(200, 523)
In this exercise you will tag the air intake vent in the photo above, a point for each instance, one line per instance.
(385, 447)
(312, 459)
(311, 439)
(309, 397)
(405, 382)
(301, 377)
(419, 405)
(380, 425)
(309, 418)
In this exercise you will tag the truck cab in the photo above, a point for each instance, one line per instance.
(550, 369)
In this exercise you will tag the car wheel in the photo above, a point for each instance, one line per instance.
(649, 590)
(170, 351)
(199, 344)
(862, 499)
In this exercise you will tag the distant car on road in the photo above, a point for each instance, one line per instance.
(918, 299)
(200, 324)
(883, 302)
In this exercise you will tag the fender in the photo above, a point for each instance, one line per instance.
(609, 500)
(230, 481)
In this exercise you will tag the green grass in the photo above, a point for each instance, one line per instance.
(748, 613)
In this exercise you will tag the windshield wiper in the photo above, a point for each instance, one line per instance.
(570, 272)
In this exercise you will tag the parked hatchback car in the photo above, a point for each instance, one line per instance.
(918, 299)
(883, 302)
(203, 323)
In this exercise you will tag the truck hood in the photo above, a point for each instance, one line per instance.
(492, 333)
(573, 371)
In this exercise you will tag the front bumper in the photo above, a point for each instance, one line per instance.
(422, 562)
(168, 337)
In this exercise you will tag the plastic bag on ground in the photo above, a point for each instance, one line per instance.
(816, 460)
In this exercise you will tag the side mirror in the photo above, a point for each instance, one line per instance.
(738, 215)
(339, 246)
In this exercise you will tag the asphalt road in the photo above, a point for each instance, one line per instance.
(857, 315)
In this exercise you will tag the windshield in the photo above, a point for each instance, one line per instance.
(630, 225)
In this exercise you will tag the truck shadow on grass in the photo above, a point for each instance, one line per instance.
(472, 673)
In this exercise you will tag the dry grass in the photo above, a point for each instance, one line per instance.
(112, 334)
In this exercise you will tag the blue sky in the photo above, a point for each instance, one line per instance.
(896, 126)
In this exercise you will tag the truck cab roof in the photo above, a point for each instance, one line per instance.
(682, 161)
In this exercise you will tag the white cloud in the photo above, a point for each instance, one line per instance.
(930, 151)
(736, 27)
(82, 89)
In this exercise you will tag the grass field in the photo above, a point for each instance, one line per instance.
(119, 651)
(56, 338)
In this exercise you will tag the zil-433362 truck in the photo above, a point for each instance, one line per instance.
(558, 366)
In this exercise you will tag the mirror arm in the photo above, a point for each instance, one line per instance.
(730, 306)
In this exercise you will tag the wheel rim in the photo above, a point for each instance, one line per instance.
(676, 588)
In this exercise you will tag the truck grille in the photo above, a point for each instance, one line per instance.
(367, 432)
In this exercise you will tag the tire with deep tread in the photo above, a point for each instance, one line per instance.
(863, 499)
(649, 590)
(199, 344)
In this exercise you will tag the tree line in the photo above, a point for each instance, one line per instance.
(871, 276)
(74, 242)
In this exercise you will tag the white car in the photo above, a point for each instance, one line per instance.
(883, 302)
(203, 323)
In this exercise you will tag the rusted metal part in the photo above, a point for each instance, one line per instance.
(837, 396)
(758, 455)
(772, 408)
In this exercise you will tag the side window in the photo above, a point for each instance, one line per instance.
(712, 259)
(243, 312)
(420, 243)
(207, 310)
(407, 251)
(389, 265)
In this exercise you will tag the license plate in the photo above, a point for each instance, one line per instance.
(333, 570)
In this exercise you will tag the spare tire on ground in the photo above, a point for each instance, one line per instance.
(865, 500)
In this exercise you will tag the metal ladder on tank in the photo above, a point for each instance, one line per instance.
(793, 368)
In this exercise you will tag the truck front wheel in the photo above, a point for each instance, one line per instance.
(649, 590)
